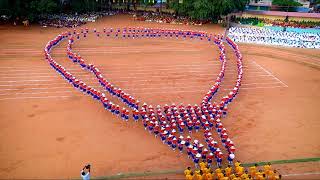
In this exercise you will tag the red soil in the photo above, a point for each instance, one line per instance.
(55, 137)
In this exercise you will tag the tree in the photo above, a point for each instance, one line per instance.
(208, 9)
(43, 6)
(286, 3)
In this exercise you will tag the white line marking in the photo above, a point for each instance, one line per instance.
(104, 68)
(113, 73)
(46, 88)
(39, 97)
(46, 92)
(143, 65)
(166, 92)
(129, 79)
(31, 80)
(302, 174)
(133, 71)
(140, 87)
(114, 65)
(33, 84)
(248, 84)
(261, 87)
(268, 72)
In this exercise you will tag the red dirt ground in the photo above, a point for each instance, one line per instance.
(49, 130)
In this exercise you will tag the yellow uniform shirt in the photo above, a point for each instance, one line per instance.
(274, 177)
(240, 170)
(236, 164)
(196, 172)
(232, 176)
(258, 174)
(220, 175)
(228, 171)
(244, 176)
(187, 171)
(198, 177)
(202, 165)
(208, 176)
(271, 173)
(267, 169)
(260, 177)
(205, 170)
(224, 178)
(253, 170)
(217, 171)
(189, 177)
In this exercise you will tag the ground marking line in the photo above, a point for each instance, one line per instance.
(129, 89)
(45, 92)
(126, 65)
(302, 174)
(112, 69)
(31, 80)
(268, 72)
(121, 71)
(177, 83)
(108, 50)
(105, 69)
(35, 97)
(261, 87)
(149, 64)
(115, 70)
(141, 67)
(32, 84)
(87, 74)
(125, 78)
(155, 92)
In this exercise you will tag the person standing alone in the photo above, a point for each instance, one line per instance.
(85, 172)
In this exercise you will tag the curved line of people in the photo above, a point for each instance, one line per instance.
(150, 124)
(169, 119)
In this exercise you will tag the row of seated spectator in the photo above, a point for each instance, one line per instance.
(278, 22)
(236, 172)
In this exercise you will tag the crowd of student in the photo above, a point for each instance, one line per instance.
(236, 172)
(272, 37)
(171, 121)
(168, 18)
(71, 20)
(278, 22)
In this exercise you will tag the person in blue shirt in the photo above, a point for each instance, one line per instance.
(85, 172)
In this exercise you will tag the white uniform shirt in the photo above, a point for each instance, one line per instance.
(86, 176)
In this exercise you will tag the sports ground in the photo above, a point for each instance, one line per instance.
(50, 130)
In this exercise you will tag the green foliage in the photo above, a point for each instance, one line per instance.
(43, 6)
(207, 9)
(80, 5)
(290, 3)
(4, 4)
(28, 8)
(318, 2)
